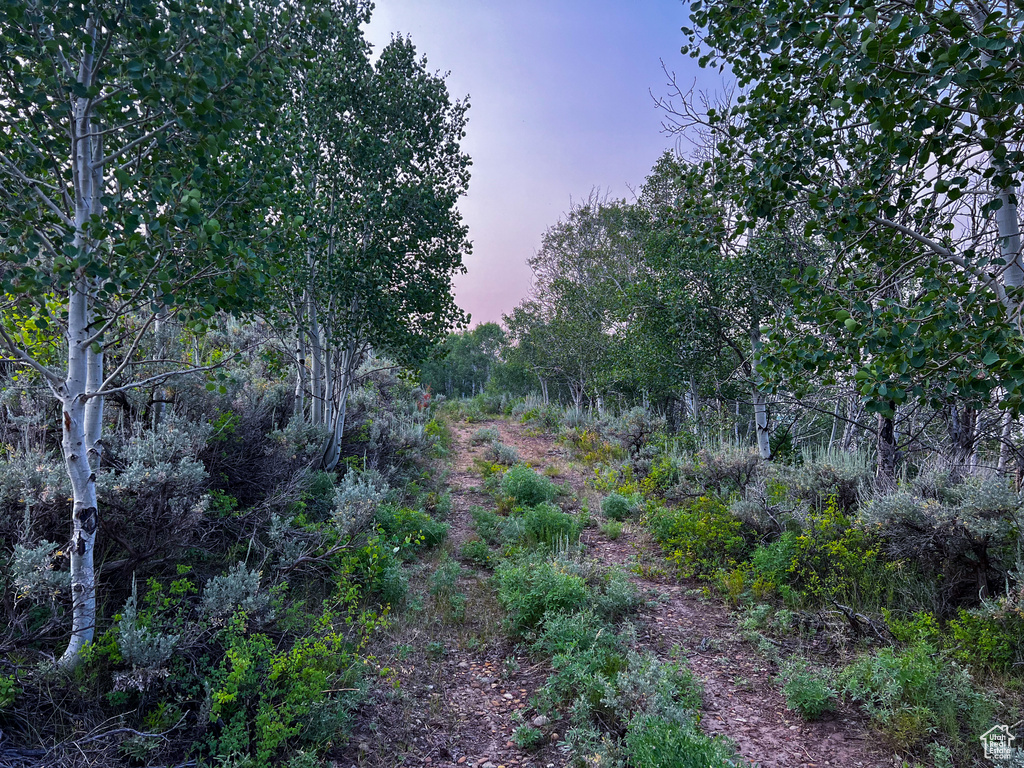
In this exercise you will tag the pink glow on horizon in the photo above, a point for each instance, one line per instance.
(560, 104)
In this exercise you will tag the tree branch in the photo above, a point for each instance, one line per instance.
(132, 144)
(13, 170)
(21, 356)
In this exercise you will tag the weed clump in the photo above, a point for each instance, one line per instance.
(807, 691)
(531, 590)
(547, 524)
(505, 455)
(612, 529)
(477, 552)
(526, 487)
(659, 742)
(484, 435)
(917, 695)
(700, 539)
(615, 506)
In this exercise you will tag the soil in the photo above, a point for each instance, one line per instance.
(453, 692)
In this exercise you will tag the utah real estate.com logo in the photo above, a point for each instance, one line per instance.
(997, 742)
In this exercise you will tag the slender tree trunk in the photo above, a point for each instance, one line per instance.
(82, 416)
(1007, 216)
(694, 403)
(161, 393)
(963, 426)
(761, 418)
(316, 389)
(1005, 437)
(885, 467)
(299, 405)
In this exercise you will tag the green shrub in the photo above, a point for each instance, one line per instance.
(701, 538)
(544, 417)
(616, 596)
(505, 455)
(615, 506)
(917, 694)
(835, 561)
(566, 633)
(527, 737)
(477, 552)
(654, 687)
(657, 742)
(806, 690)
(771, 568)
(484, 435)
(441, 434)
(612, 529)
(987, 640)
(410, 529)
(492, 527)
(590, 448)
(586, 657)
(263, 695)
(547, 524)
(664, 473)
(9, 691)
(526, 487)
(921, 625)
(530, 589)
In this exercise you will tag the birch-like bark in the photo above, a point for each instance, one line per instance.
(299, 404)
(330, 383)
(694, 403)
(1004, 442)
(316, 388)
(885, 466)
(760, 403)
(1007, 216)
(82, 421)
(160, 333)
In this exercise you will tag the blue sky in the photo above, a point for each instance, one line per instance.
(560, 104)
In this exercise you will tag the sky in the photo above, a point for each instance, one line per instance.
(561, 104)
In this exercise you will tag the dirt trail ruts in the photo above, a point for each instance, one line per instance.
(462, 690)
(460, 710)
(741, 699)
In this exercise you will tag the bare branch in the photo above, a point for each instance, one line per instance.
(23, 357)
(132, 144)
(35, 186)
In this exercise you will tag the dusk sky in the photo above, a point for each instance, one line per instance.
(560, 104)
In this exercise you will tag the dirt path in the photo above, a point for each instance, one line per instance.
(462, 689)
(460, 705)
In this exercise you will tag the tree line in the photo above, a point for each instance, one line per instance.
(838, 260)
(170, 169)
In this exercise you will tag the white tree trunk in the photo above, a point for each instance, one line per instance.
(344, 376)
(760, 403)
(299, 403)
(1007, 216)
(694, 402)
(82, 417)
(1004, 442)
(761, 423)
(161, 353)
(835, 427)
(75, 415)
(316, 388)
